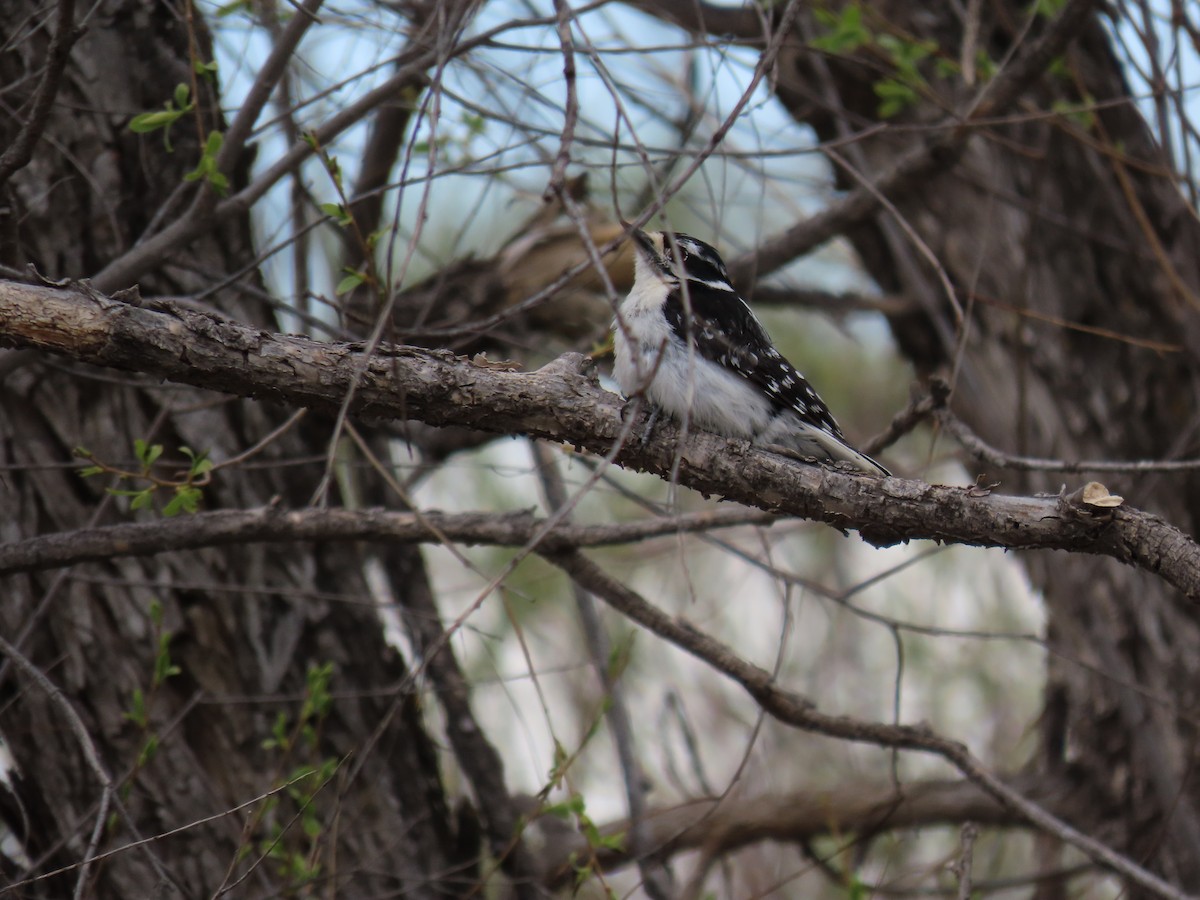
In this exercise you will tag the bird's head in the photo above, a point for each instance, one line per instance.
(683, 259)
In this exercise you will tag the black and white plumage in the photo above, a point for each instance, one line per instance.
(733, 381)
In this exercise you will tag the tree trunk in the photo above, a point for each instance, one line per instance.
(1075, 260)
(239, 636)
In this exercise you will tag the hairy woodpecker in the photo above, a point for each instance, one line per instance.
(687, 342)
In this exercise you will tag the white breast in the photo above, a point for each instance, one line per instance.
(686, 385)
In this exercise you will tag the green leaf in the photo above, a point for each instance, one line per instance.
(334, 168)
(613, 841)
(235, 6)
(147, 454)
(1048, 8)
(985, 65)
(317, 701)
(946, 68)
(338, 213)
(182, 91)
(894, 96)
(279, 733)
(163, 669)
(137, 708)
(846, 34)
(186, 499)
(143, 123)
(142, 499)
(1077, 114)
(212, 145)
(149, 749)
(206, 168)
(349, 283)
(89, 471)
(201, 464)
(1059, 69)
(475, 123)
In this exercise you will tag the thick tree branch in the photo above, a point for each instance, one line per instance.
(561, 403)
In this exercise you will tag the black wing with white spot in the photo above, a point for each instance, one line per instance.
(725, 331)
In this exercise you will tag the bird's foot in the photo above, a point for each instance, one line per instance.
(635, 405)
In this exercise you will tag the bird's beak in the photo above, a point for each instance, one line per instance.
(650, 249)
(644, 244)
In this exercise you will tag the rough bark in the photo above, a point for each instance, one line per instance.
(246, 624)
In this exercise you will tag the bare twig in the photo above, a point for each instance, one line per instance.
(558, 172)
(910, 417)
(272, 524)
(961, 867)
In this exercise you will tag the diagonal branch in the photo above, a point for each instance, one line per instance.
(799, 712)
(560, 402)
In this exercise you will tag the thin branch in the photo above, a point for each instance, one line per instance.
(558, 172)
(274, 525)
(910, 417)
(962, 866)
(979, 448)
(143, 842)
